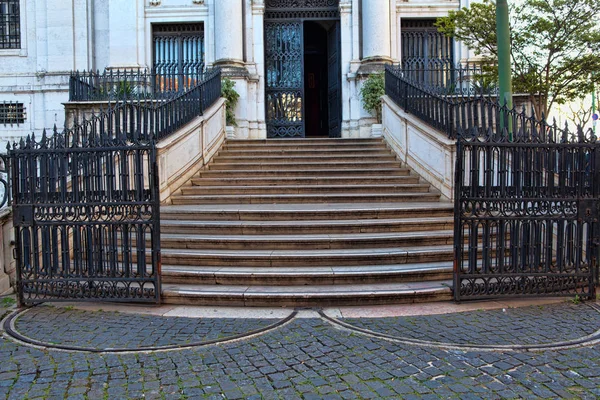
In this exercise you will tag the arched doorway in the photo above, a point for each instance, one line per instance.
(302, 68)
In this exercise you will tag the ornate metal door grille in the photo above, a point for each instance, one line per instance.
(284, 61)
(284, 80)
(301, 9)
(178, 56)
(527, 211)
(423, 47)
(86, 216)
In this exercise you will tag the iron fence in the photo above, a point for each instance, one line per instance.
(122, 84)
(527, 209)
(140, 118)
(527, 195)
(447, 79)
(83, 200)
(86, 199)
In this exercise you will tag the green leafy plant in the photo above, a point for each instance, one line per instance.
(231, 100)
(371, 92)
(576, 299)
(123, 90)
(7, 302)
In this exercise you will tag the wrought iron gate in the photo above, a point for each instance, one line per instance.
(527, 209)
(86, 216)
(284, 78)
(284, 65)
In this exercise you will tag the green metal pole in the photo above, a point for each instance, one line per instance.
(594, 106)
(504, 67)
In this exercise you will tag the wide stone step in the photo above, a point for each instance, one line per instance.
(305, 142)
(296, 258)
(408, 212)
(315, 151)
(304, 198)
(314, 241)
(306, 227)
(317, 172)
(300, 159)
(305, 189)
(306, 275)
(332, 166)
(293, 296)
(305, 180)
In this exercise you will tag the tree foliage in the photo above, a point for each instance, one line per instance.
(555, 53)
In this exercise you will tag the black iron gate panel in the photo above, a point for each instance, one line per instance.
(527, 211)
(86, 214)
(284, 59)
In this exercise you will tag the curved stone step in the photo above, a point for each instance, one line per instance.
(306, 189)
(294, 296)
(293, 258)
(302, 242)
(305, 198)
(305, 275)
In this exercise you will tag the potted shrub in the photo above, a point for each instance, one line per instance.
(371, 92)
(231, 99)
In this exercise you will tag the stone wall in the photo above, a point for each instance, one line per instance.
(7, 262)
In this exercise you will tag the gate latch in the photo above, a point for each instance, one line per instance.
(23, 215)
(588, 210)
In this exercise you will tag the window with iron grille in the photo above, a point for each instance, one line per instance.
(423, 47)
(178, 54)
(10, 24)
(12, 113)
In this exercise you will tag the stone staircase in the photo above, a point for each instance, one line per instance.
(306, 222)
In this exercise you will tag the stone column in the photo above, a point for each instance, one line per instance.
(229, 44)
(376, 31)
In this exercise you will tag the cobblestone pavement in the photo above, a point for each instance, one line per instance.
(312, 359)
(513, 326)
(101, 330)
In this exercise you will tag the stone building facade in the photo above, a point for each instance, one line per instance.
(298, 64)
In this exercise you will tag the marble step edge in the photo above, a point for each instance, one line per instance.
(293, 296)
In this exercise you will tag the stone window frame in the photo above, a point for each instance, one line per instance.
(22, 50)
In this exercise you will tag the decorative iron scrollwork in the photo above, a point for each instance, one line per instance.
(301, 9)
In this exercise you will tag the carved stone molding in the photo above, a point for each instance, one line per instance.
(155, 2)
(199, 2)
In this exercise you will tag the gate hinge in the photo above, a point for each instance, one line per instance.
(23, 215)
(588, 210)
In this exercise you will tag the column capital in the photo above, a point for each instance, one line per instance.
(345, 6)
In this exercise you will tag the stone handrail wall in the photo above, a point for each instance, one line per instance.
(182, 155)
(425, 149)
